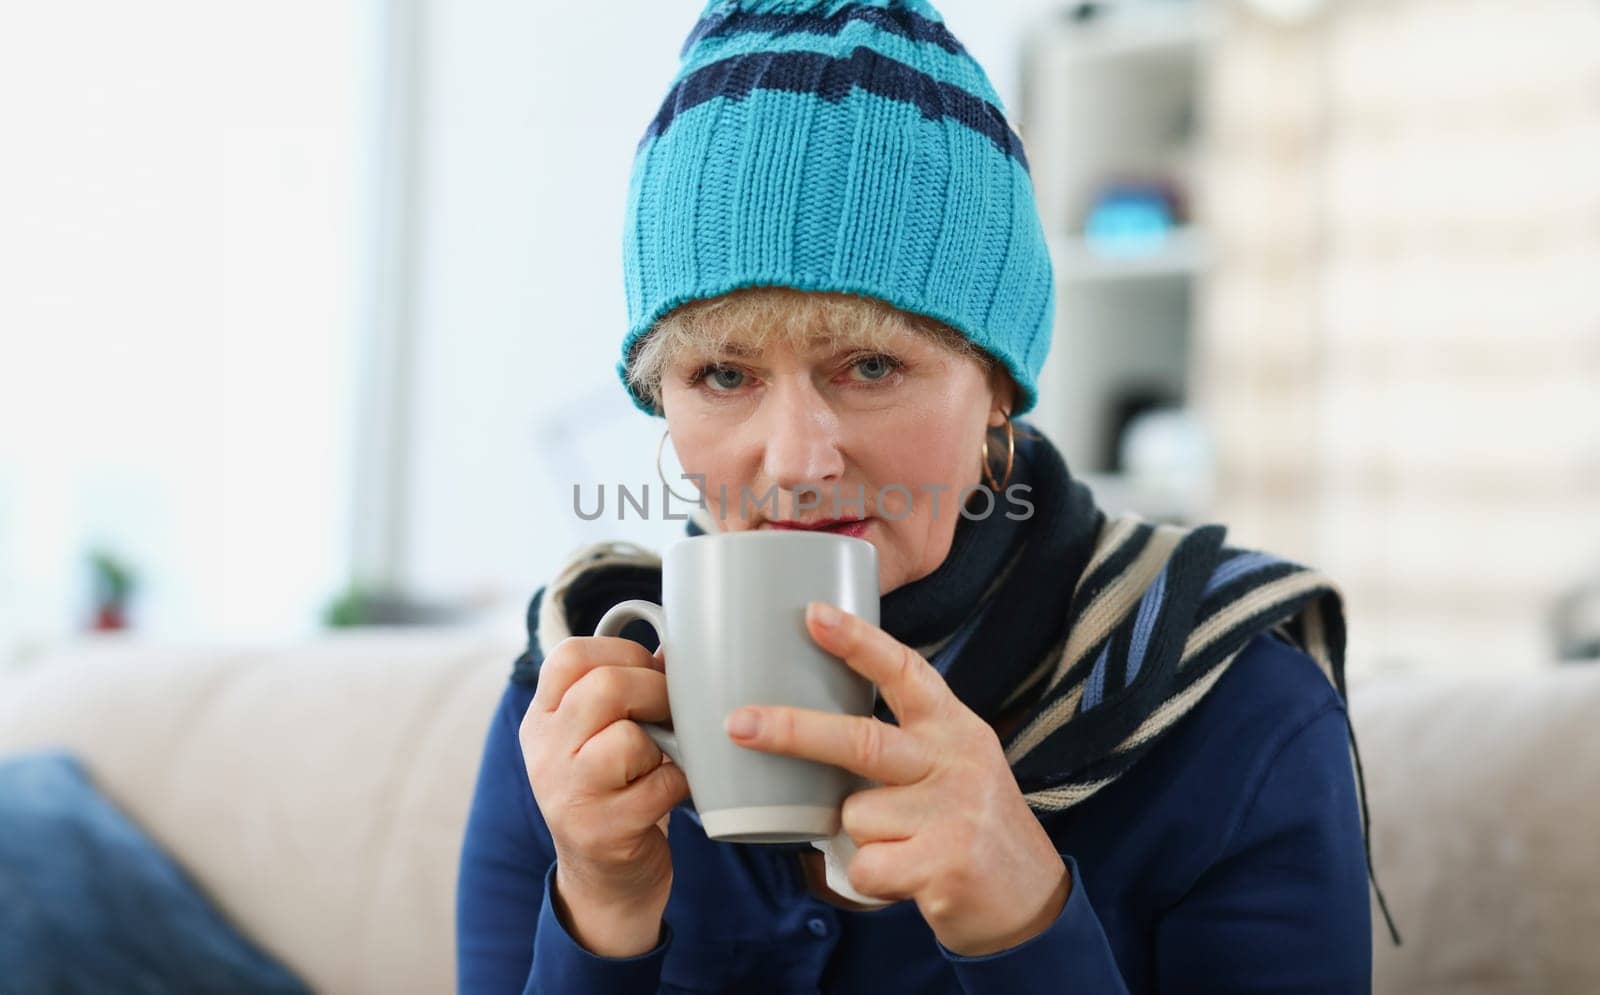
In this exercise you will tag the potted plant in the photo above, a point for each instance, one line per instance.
(114, 582)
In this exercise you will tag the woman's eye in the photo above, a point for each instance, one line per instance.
(877, 366)
(721, 378)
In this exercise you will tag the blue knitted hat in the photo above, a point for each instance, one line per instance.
(841, 146)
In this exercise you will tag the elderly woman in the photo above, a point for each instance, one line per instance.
(1116, 755)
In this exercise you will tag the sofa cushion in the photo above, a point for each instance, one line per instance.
(316, 788)
(92, 905)
(1485, 794)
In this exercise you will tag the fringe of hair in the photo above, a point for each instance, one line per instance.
(756, 317)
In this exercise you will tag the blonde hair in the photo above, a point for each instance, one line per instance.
(756, 317)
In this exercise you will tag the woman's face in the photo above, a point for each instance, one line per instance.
(828, 433)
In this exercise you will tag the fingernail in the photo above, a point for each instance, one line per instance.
(825, 614)
(742, 722)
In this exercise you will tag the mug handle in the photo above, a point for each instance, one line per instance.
(612, 624)
(837, 850)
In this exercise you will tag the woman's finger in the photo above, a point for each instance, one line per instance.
(862, 744)
(650, 797)
(908, 682)
(891, 870)
(606, 694)
(617, 755)
(575, 656)
(891, 812)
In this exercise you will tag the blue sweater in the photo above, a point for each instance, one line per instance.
(1229, 859)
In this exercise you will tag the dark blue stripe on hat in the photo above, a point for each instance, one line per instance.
(890, 20)
(832, 79)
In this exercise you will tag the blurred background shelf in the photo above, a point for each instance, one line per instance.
(1179, 256)
(1129, 32)
(1109, 112)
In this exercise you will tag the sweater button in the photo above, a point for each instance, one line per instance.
(817, 926)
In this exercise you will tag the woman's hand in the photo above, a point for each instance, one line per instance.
(949, 828)
(603, 789)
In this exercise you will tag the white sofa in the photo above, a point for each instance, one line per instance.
(318, 792)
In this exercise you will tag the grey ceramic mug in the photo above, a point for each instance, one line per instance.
(734, 633)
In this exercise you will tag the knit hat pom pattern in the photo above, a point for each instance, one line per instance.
(839, 145)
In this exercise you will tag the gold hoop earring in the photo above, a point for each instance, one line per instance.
(659, 446)
(1011, 454)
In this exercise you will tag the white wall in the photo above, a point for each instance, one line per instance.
(179, 191)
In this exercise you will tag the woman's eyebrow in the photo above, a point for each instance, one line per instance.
(828, 347)
(738, 349)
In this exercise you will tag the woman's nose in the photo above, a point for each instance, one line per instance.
(800, 439)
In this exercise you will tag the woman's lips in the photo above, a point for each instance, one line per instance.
(857, 528)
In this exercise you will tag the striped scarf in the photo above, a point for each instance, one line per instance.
(1099, 632)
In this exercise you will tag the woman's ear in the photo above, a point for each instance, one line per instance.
(1003, 393)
